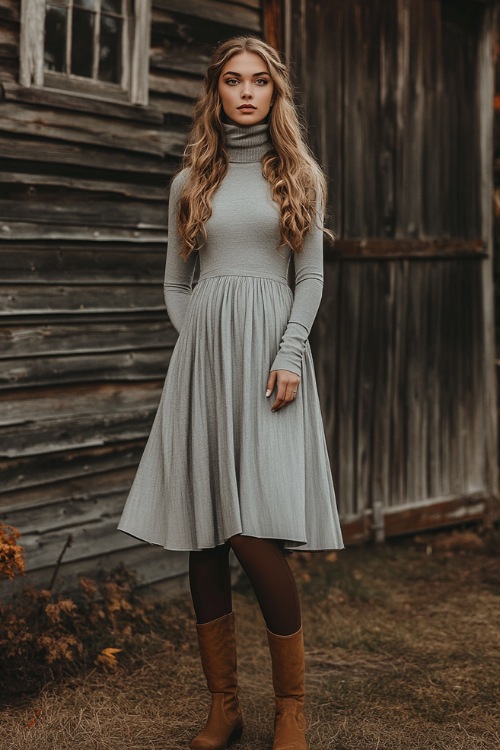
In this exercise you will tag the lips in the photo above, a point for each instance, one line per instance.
(246, 106)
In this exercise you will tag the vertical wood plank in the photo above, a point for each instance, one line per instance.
(361, 121)
(386, 197)
(273, 23)
(435, 425)
(485, 92)
(397, 492)
(140, 63)
(31, 42)
(383, 377)
(346, 372)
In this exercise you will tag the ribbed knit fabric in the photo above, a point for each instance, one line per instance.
(218, 461)
(247, 144)
(244, 216)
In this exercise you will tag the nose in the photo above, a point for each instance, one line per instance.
(246, 91)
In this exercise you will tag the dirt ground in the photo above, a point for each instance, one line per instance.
(402, 651)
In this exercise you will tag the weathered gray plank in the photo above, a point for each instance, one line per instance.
(74, 263)
(169, 105)
(95, 487)
(35, 184)
(87, 430)
(173, 56)
(125, 366)
(47, 406)
(60, 125)
(77, 298)
(229, 14)
(48, 208)
(42, 549)
(67, 101)
(175, 85)
(28, 149)
(151, 563)
(18, 230)
(21, 340)
(36, 472)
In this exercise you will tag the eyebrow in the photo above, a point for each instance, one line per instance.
(231, 72)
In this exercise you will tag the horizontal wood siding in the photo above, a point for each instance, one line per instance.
(85, 340)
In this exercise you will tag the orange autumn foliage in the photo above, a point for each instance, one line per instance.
(11, 553)
(46, 634)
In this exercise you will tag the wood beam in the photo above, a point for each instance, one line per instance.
(272, 22)
(386, 248)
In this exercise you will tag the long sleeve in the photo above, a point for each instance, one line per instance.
(179, 274)
(307, 298)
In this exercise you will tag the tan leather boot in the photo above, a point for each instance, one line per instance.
(217, 642)
(287, 656)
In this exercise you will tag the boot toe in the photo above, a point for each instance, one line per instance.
(289, 732)
(210, 740)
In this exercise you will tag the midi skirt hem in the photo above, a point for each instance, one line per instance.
(290, 545)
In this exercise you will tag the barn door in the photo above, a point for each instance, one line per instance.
(397, 98)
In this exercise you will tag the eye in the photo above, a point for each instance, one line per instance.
(228, 80)
(264, 80)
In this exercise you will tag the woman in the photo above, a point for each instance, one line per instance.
(226, 466)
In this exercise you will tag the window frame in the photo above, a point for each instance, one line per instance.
(134, 87)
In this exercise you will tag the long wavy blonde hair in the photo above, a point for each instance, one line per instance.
(298, 184)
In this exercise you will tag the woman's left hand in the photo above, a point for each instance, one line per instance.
(288, 385)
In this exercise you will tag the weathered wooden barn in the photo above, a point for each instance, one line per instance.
(96, 100)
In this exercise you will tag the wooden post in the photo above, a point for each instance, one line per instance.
(31, 42)
(140, 64)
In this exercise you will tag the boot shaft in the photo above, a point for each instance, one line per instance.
(217, 643)
(288, 665)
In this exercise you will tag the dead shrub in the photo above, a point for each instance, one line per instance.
(44, 635)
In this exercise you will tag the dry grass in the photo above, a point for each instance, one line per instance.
(402, 647)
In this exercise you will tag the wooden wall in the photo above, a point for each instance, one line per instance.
(397, 100)
(84, 336)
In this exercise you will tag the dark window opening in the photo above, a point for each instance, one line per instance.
(87, 39)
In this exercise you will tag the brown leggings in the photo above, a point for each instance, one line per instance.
(265, 564)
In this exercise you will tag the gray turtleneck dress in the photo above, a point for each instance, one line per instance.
(218, 461)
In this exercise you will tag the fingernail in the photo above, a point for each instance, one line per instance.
(268, 392)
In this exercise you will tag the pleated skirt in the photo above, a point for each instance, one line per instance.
(218, 461)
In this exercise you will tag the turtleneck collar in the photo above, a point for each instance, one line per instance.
(247, 143)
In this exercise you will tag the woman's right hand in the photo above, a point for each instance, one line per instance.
(288, 384)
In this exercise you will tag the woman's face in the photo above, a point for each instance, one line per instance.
(245, 80)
